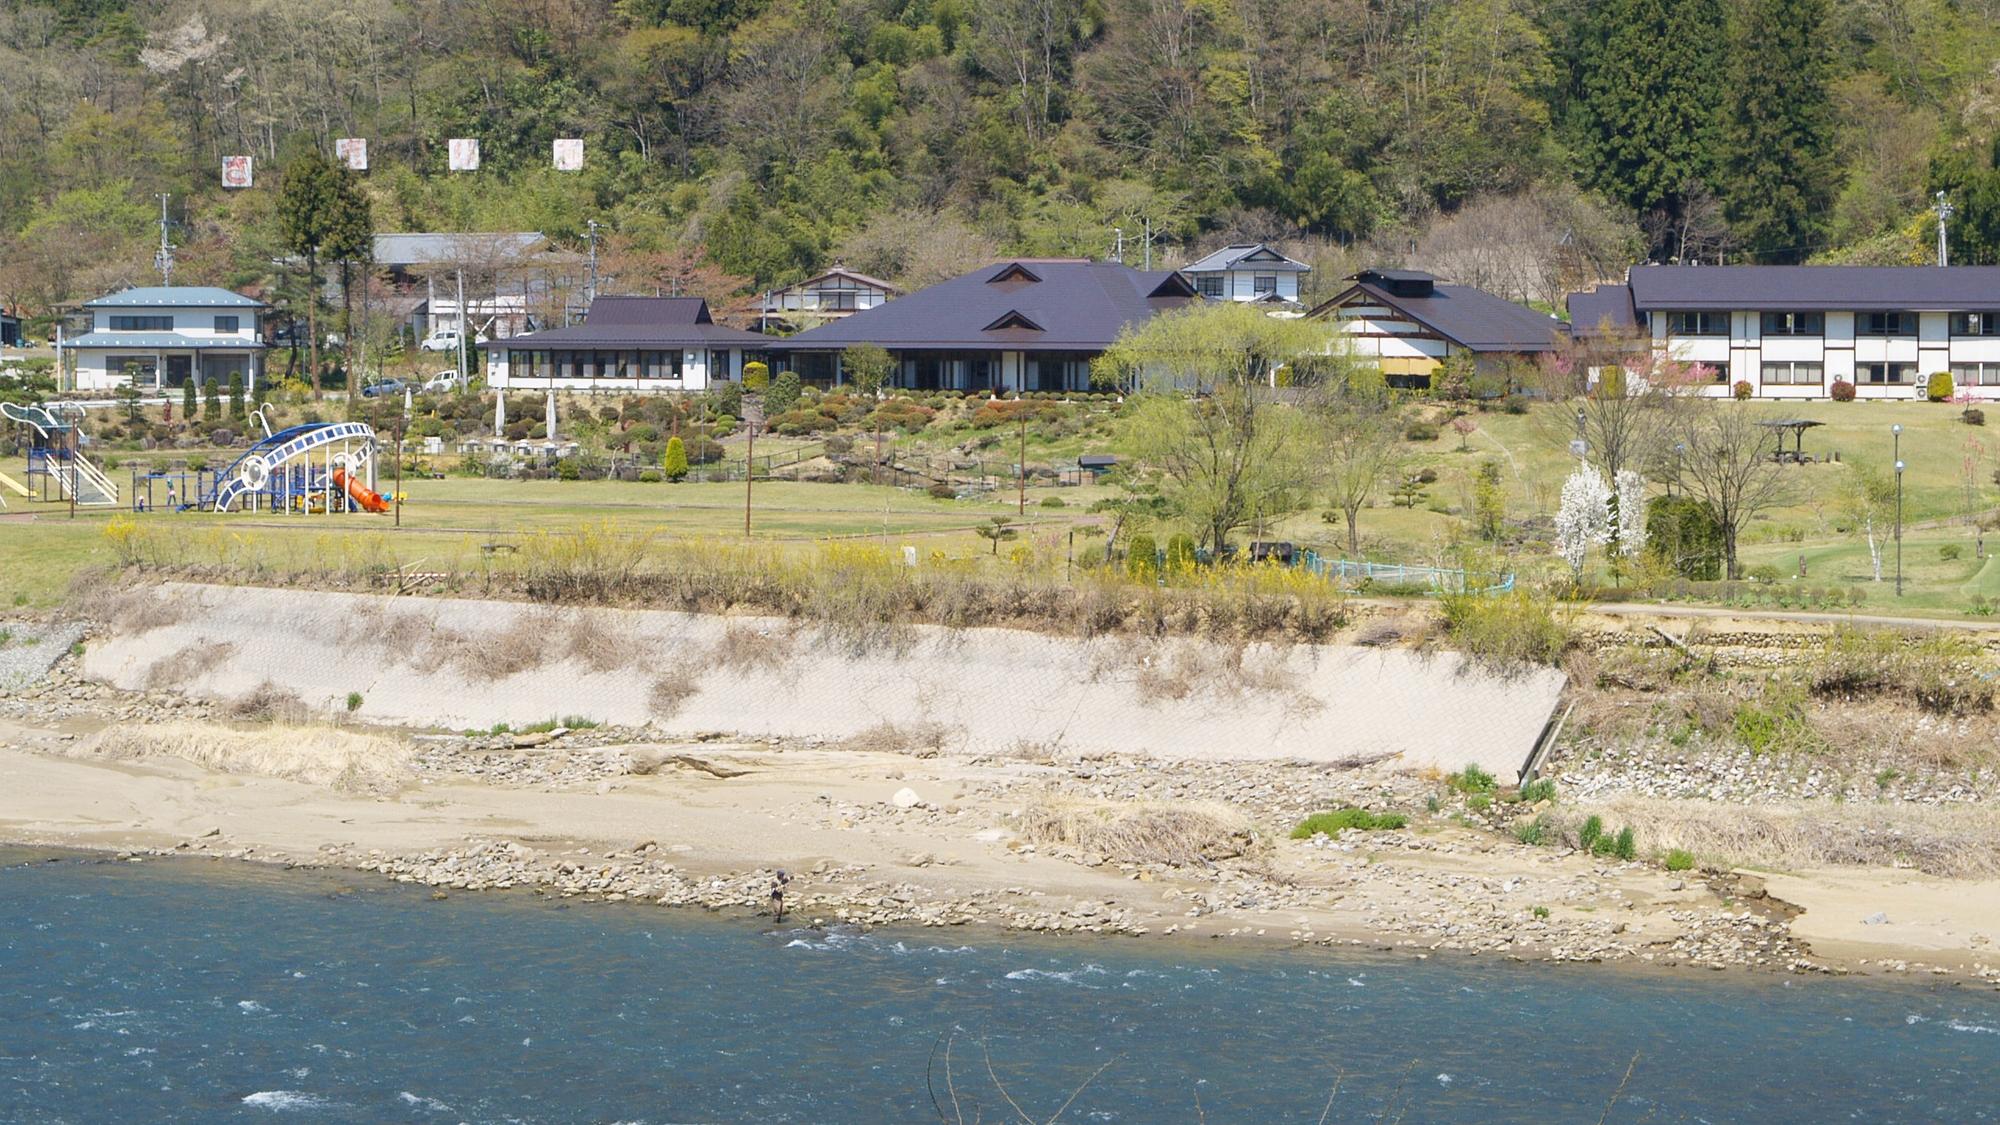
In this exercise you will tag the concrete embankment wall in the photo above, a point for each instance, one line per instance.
(465, 663)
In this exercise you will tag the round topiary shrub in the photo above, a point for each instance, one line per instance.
(942, 492)
(1743, 390)
(1843, 391)
(1420, 430)
(1054, 502)
(1939, 388)
(1142, 558)
(650, 476)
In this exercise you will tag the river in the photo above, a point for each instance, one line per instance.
(200, 991)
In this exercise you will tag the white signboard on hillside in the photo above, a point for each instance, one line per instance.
(569, 155)
(236, 172)
(352, 153)
(464, 154)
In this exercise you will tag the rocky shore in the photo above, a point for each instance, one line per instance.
(871, 838)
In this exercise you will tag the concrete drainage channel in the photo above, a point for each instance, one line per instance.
(460, 664)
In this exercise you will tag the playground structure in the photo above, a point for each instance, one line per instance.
(321, 467)
(57, 469)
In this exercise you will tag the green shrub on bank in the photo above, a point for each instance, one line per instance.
(1332, 823)
(1507, 630)
(1543, 789)
(1679, 859)
(1472, 780)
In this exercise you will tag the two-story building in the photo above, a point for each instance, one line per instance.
(1795, 331)
(1409, 323)
(161, 337)
(1246, 272)
(837, 293)
(628, 345)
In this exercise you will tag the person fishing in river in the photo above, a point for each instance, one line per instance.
(778, 895)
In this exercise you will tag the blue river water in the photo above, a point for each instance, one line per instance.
(196, 991)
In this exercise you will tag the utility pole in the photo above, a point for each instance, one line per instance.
(1024, 461)
(1944, 212)
(749, 475)
(1149, 243)
(1118, 245)
(592, 293)
(163, 260)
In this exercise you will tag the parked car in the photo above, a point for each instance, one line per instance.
(385, 387)
(442, 383)
(446, 340)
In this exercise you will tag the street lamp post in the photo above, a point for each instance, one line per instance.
(1899, 527)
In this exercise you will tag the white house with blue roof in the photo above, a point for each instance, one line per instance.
(164, 336)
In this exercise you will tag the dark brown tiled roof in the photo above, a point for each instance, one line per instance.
(1471, 318)
(1593, 312)
(1914, 288)
(640, 322)
(1073, 304)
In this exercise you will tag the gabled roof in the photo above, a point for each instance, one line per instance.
(839, 271)
(175, 296)
(1471, 318)
(421, 248)
(1606, 307)
(1244, 256)
(639, 322)
(1817, 288)
(1028, 303)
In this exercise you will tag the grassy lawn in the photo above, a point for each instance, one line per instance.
(445, 521)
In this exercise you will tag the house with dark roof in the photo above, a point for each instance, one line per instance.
(163, 336)
(1794, 331)
(627, 345)
(509, 276)
(1409, 323)
(1249, 271)
(837, 293)
(1026, 324)
(10, 330)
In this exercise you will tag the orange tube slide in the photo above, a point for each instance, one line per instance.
(361, 493)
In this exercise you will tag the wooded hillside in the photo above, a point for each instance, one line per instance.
(1526, 145)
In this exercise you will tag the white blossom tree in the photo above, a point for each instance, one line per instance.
(1584, 518)
(1630, 534)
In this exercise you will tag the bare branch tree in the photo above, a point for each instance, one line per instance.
(1727, 461)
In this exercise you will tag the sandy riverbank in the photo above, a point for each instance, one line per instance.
(571, 817)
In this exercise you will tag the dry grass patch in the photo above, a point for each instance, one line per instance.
(1948, 841)
(269, 703)
(744, 648)
(190, 663)
(923, 740)
(1176, 834)
(670, 693)
(336, 759)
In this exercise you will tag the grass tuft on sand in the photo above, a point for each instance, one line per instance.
(1176, 834)
(317, 755)
(1961, 842)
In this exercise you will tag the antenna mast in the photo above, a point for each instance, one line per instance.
(163, 260)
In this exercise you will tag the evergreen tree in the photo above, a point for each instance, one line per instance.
(1778, 177)
(783, 397)
(187, 401)
(211, 402)
(350, 242)
(236, 410)
(1648, 100)
(307, 211)
(1974, 191)
(674, 463)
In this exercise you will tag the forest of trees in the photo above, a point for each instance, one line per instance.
(1526, 145)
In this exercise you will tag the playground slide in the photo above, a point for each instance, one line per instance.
(10, 482)
(363, 496)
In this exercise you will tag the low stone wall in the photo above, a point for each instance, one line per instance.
(463, 664)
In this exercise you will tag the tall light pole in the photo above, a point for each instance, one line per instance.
(1899, 528)
(1943, 210)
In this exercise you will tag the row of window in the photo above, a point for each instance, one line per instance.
(1210, 285)
(594, 365)
(1814, 324)
(166, 324)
